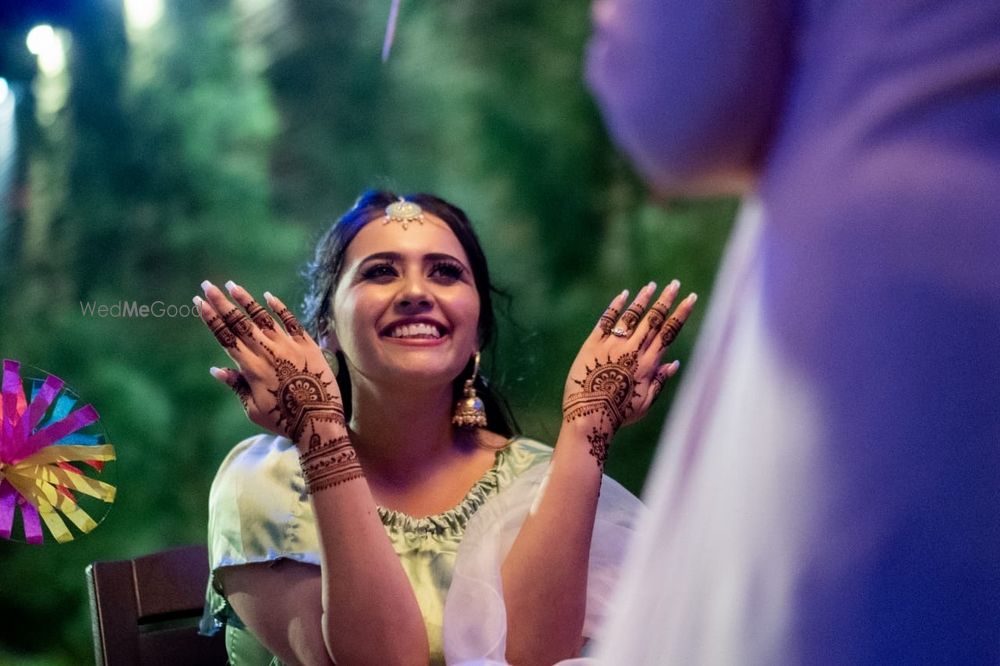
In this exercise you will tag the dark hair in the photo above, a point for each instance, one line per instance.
(325, 270)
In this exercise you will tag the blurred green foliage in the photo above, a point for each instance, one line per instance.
(219, 145)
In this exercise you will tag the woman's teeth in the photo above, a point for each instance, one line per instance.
(415, 331)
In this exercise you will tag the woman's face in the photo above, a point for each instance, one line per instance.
(406, 307)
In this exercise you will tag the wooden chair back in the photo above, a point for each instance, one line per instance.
(145, 611)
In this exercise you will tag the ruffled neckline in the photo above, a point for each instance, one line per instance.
(454, 520)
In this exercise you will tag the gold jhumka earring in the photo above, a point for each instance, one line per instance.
(470, 411)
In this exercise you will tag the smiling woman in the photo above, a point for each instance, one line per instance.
(381, 521)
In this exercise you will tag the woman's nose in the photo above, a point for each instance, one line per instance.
(414, 296)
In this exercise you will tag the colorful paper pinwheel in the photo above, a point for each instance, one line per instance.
(37, 447)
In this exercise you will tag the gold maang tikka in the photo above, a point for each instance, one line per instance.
(404, 212)
(470, 411)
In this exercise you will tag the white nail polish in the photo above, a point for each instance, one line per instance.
(268, 296)
(205, 285)
(230, 285)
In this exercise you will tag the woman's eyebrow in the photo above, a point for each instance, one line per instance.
(442, 256)
(383, 256)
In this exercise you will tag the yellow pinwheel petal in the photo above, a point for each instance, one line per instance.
(69, 453)
(38, 477)
(63, 477)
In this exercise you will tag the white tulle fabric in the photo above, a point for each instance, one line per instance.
(475, 620)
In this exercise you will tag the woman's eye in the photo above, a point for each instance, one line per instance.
(447, 271)
(379, 271)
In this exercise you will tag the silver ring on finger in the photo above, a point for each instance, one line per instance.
(619, 332)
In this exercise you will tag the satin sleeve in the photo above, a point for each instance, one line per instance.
(258, 512)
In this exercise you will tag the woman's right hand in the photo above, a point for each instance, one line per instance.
(282, 378)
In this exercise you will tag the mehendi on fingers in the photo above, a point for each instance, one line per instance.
(260, 316)
(607, 321)
(607, 391)
(657, 383)
(657, 315)
(291, 324)
(302, 398)
(671, 329)
(222, 332)
(239, 323)
(631, 317)
(329, 463)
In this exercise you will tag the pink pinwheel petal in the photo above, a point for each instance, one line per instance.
(51, 433)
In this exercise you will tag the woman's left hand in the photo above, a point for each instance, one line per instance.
(618, 372)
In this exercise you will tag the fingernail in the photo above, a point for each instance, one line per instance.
(651, 286)
(268, 296)
(693, 298)
(205, 285)
(197, 301)
(216, 372)
(230, 285)
(674, 367)
(624, 294)
(674, 285)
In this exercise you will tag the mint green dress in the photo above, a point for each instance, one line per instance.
(259, 512)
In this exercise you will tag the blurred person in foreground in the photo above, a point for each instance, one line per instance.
(828, 487)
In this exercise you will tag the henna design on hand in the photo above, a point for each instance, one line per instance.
(657, 384)
(631, 317)
(329, 463)
(291, 324)
(606, 389)
(607, 321)
(599, 445)
(222, 332)
(302, 398)
(671, 330)
(657, 315)
(270, 352)
(242, 388)
(239, 323)
(259, 315)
